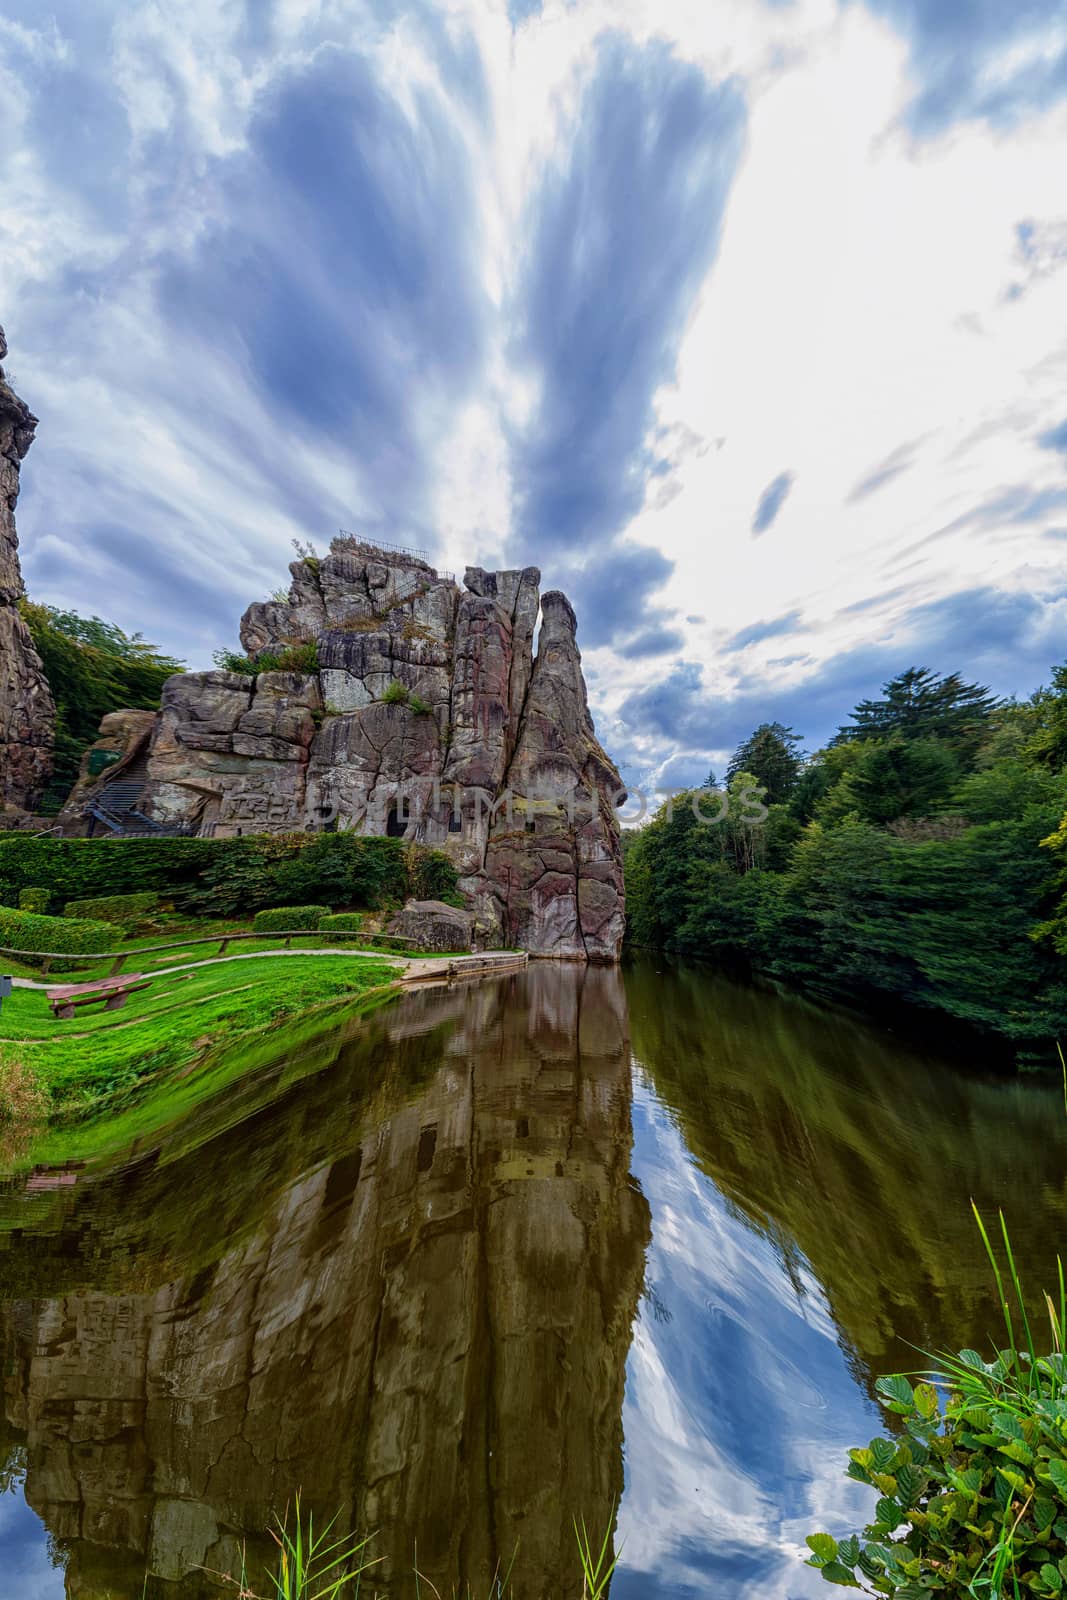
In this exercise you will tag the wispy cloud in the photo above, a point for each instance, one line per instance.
(771, 502)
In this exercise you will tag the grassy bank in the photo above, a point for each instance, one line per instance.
(179, 1025)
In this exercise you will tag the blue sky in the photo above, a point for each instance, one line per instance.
(746, 321)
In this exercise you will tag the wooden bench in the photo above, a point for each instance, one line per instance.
(112, 991)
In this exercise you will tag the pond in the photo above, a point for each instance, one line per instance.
(572, 1243)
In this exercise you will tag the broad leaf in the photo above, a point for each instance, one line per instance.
(898, 1391)
(823, 1549)
(834, 1572)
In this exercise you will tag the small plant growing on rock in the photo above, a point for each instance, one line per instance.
(973, 1496)
(419, 706)
(234, 661)
(294, 658)
(395, 694)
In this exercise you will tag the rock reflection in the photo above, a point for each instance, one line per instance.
(414, 1305)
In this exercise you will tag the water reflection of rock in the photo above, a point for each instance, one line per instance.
(430, 1329)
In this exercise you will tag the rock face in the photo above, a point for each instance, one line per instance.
(433, 925)
(429, 716)
(27, 715)
(407, 1293)
(124, 738)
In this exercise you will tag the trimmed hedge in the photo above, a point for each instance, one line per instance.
(75, 936)
(343, 921)
(35, 900)
(114, 907)
(230, 877)
(279, 919)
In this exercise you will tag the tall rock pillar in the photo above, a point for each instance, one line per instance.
(27, 714)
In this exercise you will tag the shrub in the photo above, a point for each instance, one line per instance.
(234, 661)
(293, 658)
(118, 908)
(342, 921)
(395, 694)
(34, 899)
(74, 936)
(279, 919)
(973, 1496)
(419, 706)
(298, 658)
(432, 876)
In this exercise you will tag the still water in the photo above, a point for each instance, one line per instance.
(628, 1245)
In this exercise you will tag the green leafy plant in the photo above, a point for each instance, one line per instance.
(279, 919)
(293, 658)
(234, 661)
(395, 693)
(973, 1494)
(342, 921)
(419, 706)
(34, 899)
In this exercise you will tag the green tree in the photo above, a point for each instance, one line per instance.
(92, 668)
(902, 778)
(818, 777)
(919, 704)
(1047, 745)
(772, 755)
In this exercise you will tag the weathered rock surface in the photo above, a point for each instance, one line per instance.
(27, 714)
(408, 1294)
(429, 717)
(125, 737)
(433, 925)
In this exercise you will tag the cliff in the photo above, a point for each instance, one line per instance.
(427, 714)
(27, 715)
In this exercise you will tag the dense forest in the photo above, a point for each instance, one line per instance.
(92, 668)
(921, 857)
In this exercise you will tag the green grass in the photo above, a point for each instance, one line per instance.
(181, 1022)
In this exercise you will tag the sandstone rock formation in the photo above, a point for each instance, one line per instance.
(426, 714)
(27, 715)
(124, 739)
(411, 1302)
(432, 925)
